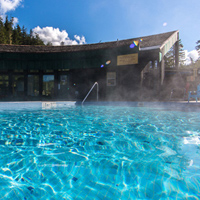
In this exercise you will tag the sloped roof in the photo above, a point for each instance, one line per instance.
(148, 41)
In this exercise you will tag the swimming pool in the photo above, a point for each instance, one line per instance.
(99, 152)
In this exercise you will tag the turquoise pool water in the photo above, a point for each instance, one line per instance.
(99, 152)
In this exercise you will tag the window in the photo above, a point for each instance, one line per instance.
(33, 85)
(48, 85)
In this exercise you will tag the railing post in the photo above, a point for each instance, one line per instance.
(97, 91)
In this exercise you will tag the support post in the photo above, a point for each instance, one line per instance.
(162, 70)
(25, 84)
(40, 83)
(155, 79)
(176, 48)
(10, 77)
(56, 83)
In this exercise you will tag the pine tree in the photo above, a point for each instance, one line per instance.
(170, 57)
(16, 36)
(2, 32)
(8, 30)
(182, 58)
(38, 41)
(23, 36)
(198, 47)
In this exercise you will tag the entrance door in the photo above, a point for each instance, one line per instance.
(4, 86)
(48, 86)
(18, 86)
(33, 85)
(63, 87)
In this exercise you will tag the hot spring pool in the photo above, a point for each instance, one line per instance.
(99, 152)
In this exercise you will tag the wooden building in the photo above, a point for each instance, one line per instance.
(68, 72)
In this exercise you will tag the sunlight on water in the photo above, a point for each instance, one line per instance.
(99, 152)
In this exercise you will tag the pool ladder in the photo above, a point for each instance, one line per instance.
(91, 91)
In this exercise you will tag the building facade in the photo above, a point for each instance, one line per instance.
(68, 72)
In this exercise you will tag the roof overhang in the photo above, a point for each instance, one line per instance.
(167, 45)
(83, 56)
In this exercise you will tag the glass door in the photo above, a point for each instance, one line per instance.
(63, 88)
(33, 85)
(48, 86)
(4, 86)
(18, 86)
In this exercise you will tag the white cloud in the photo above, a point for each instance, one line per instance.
(15, 21)
(8, 5)
(165, 24)
(80, 39)
(191, 55)
(55, 36)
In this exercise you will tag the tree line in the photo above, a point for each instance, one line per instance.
(195, 64)
(10, 34)
(198, 46)
(170, 57)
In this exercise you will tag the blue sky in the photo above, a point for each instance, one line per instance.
(91, 21)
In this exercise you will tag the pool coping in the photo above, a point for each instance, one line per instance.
(54, 104)
(35, 104)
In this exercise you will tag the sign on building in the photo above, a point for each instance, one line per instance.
(128, 59)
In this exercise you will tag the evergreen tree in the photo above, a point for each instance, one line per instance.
(37, 40)
(198, 46)
(2, 32)
(182, 58)
(8, 30)
(17, 35)
(23, 36)
(170, 57)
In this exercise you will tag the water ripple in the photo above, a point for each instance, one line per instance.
(99, 153)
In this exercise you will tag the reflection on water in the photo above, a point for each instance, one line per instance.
(99, 153)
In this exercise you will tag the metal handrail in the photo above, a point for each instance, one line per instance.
(91, 91)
